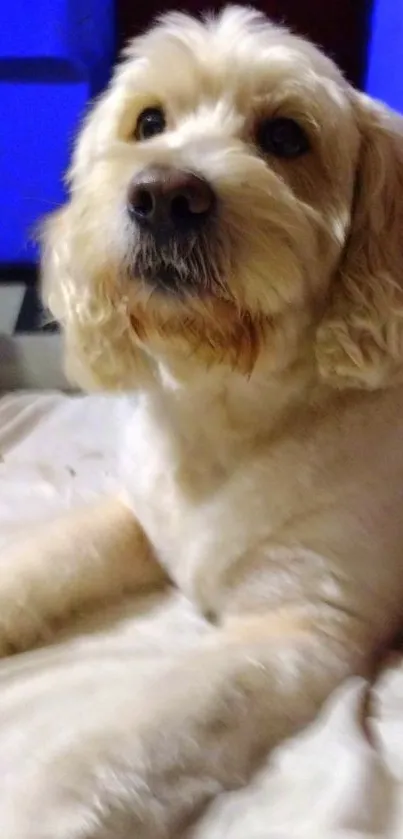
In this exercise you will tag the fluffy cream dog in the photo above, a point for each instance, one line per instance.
(232, 251)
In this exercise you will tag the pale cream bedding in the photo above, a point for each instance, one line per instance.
(327, 784)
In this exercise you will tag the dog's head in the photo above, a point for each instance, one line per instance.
(231, 199)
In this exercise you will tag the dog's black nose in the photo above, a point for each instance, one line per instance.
(167, 200)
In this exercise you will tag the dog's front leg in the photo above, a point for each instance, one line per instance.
(224, 710)
(90, 555)
(156, 761)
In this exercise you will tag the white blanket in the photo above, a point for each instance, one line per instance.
(329, 783)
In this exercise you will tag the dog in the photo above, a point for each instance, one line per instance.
(232, 252)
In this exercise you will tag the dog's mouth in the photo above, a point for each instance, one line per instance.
(177, 268)
(167, 279)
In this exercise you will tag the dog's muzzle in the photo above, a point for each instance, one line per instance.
(171, 209)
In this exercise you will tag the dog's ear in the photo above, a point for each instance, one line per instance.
(81, 293)
(60, 288)
(360, 340)
(79, 284)
(66, 284)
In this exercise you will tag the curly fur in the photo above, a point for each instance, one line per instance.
(360, 341)
(299, 243)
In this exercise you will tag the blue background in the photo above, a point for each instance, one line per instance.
(55, 55)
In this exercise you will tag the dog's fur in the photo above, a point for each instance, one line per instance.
(263, 465)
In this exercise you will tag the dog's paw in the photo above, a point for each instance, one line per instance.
(146, 762)
(135, 768)
(26, 611)
(22, 627)
(81, 796)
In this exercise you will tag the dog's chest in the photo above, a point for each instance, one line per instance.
(193, 510)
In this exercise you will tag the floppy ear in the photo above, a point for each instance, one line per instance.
(79, 280)
(99, 347)
(60, 287)
(360, 340)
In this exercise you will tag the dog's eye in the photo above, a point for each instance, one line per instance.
(150, 122)
(282, 137)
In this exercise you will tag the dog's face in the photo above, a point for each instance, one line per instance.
(213, 193)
